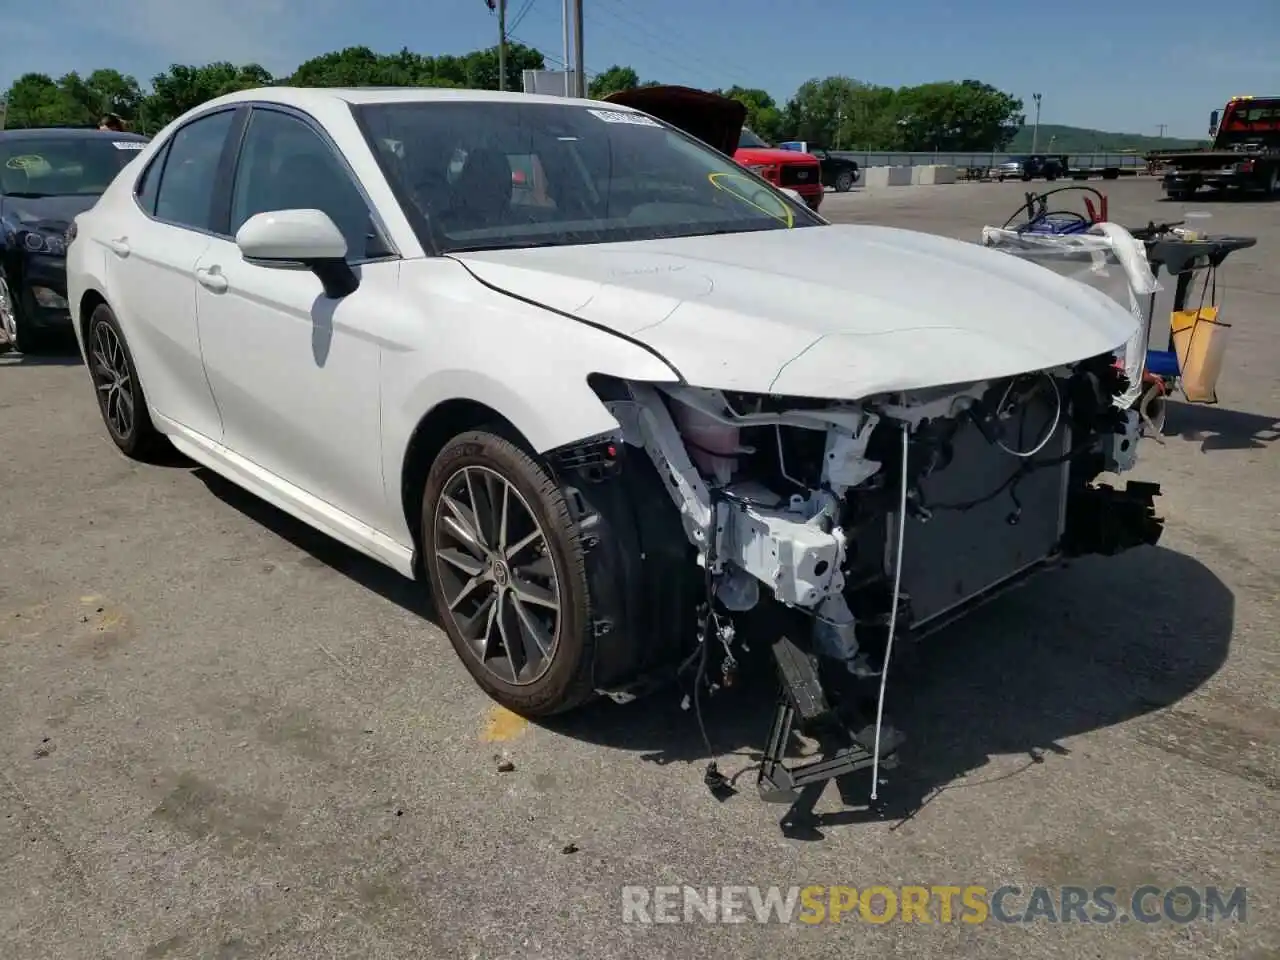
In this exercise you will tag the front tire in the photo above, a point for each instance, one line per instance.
(507, 575)
(8, 317)
(115, 382)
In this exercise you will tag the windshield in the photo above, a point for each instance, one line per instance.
(62, 166)
(1252, 117)
(483, 175)
(748, 139)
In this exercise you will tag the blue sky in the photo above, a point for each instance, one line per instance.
(1098, 63)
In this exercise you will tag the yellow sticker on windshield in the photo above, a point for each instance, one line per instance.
(783, 214)
(26, 162)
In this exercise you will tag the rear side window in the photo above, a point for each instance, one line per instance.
(148, 186)
(185, 196)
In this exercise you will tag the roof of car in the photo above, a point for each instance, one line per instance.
(68, 133)
(307, 96)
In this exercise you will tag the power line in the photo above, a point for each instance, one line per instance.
(524, 12)
(666, 37)
(550, 57)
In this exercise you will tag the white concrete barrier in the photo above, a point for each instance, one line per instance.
(888, 177)
(927, 174)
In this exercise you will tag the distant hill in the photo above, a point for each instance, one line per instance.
(1061, 139)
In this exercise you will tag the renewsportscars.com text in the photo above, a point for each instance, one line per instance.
(932, 904)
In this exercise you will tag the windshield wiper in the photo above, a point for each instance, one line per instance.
(29, 196)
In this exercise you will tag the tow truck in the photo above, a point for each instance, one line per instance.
(1245, 154)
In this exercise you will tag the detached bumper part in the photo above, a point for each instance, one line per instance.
(802, 698)
(1107, 521)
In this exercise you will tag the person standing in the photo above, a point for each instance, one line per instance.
(111, 121)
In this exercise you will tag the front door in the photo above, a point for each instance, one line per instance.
(295, 373)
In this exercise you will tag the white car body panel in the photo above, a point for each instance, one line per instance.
(156, 296)
(840, 311)
(295, 375)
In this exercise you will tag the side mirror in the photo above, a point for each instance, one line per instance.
(288, 239)
(1213, 124)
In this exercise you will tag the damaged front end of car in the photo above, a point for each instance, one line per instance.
(825, 530)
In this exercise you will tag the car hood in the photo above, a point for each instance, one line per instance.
(838, 311)
(713, 119)
(51, 212)
(770, 155)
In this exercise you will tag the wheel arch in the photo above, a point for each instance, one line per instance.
(481, 401)
(436, 428)
(90, 301)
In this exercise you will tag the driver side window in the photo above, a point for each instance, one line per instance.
(285, 165)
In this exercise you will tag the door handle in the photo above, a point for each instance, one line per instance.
(119, 246)
(212, 279)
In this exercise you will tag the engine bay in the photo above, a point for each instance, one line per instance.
(798, 500)
(830, 529)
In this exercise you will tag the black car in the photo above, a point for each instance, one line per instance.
(840, 173)
(47, 176)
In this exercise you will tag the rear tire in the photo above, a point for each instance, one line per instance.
(844, 181)
(512, 596)
(115, 382)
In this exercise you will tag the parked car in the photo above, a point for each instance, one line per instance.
(47, 176)
(581, 420)
(789, 169)
(1032, 167)
(838, 172)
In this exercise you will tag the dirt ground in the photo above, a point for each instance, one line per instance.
(224, 736)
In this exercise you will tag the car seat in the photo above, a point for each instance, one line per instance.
(481, 196)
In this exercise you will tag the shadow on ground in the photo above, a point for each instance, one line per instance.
(1217, 428)
(370, 574)
(1225, 196)
(64, 353)
(1079, 649)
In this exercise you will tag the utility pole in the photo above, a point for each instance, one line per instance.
(1163, 127)
(502, 44)
(1035, 129)
(568, 54)
(500, 7)
(579, 62)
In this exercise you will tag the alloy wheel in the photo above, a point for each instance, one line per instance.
(497, 574)
(112, 379)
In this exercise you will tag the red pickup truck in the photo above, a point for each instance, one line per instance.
(718, 121)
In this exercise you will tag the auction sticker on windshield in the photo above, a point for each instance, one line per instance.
(128, 144)
(618, 116)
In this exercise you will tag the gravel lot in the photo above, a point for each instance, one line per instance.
(224, 736)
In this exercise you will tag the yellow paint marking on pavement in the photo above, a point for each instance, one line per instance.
(503, 725)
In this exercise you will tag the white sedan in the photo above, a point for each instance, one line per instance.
(610, 395)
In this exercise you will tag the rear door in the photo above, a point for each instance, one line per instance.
(151, 263)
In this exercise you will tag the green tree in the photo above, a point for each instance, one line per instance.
(614, 80)
(37, 100)
(184, 87)
(763, 114)
(968, 115)
(840, 112)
